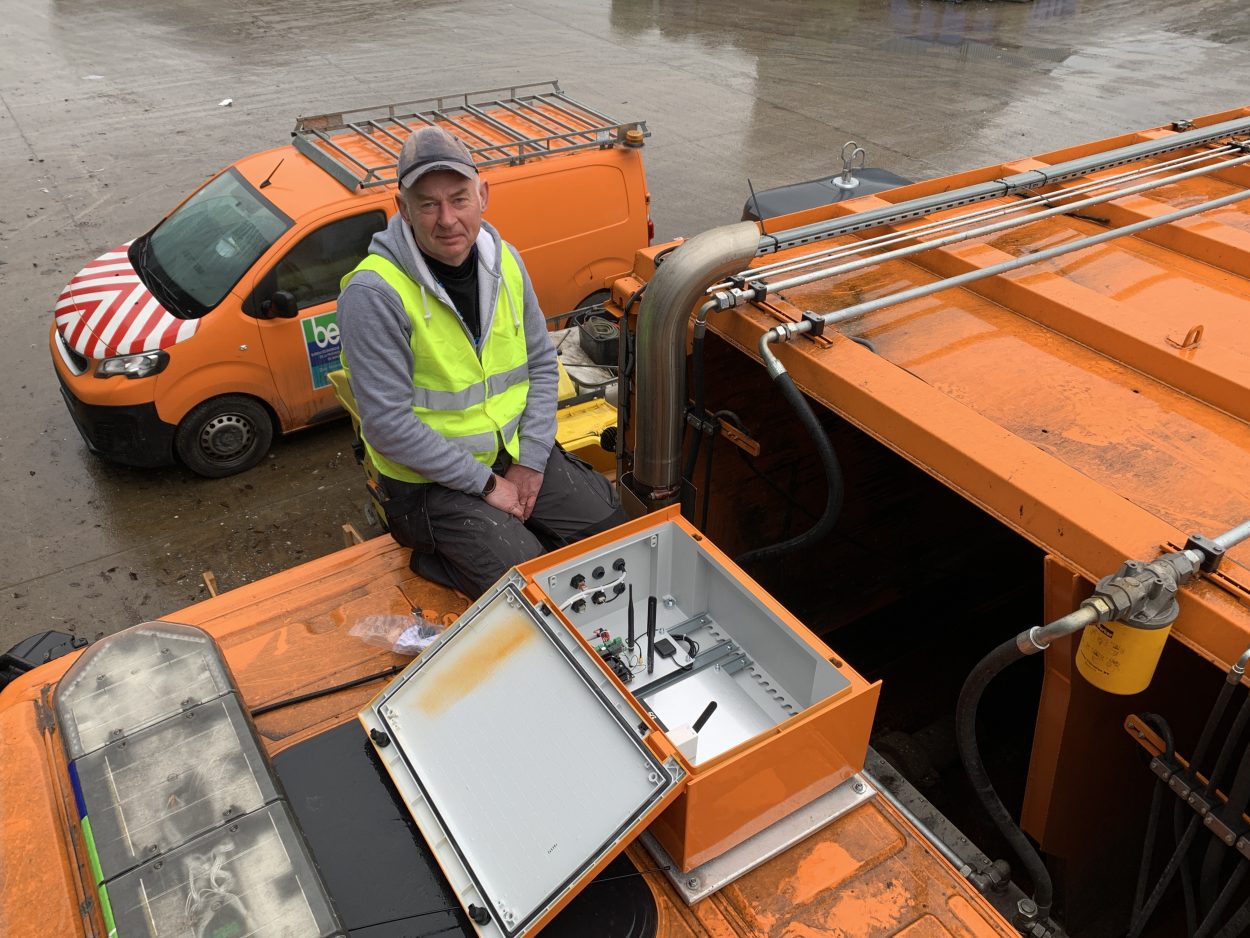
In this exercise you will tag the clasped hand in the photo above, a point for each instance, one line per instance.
(516, 492)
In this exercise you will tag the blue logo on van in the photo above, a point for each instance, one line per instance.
(321, 338)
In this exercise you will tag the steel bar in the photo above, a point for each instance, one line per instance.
(329, 142)
(573, 106)
(1016, 263)
(789, 330)
(942, 847)
(984, 230)
(1234, 537)
(980, 192)
(374, 141)
(499, 125)
(543, 116)
(755, 274)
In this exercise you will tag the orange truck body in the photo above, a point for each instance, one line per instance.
(1027, 431)
(868, 873)
(1005, 443)
(567, 188)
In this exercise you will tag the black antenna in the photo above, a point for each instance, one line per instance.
(756, 202)
(650, 634)
(629, 638)
(703, 717)
(281, 161)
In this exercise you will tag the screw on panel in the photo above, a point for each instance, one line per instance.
(859, 788)
(692, 882)
(669, 602)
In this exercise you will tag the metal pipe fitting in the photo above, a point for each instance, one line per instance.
(661, 360)
(783, 333)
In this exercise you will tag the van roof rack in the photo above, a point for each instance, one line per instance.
(360, 148)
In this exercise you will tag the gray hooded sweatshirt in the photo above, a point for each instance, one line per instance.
(375, 332)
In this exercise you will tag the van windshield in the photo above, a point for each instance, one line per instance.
(193, 257)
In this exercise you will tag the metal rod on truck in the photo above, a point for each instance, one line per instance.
(980, 192)
(962, 221)
(982, 230)
(787, 331)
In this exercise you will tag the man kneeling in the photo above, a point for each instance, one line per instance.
(455, 378)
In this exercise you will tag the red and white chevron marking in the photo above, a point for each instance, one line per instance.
(106, 310)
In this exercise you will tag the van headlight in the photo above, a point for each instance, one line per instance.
(133, 366)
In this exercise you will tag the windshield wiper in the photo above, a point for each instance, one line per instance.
(148, 270)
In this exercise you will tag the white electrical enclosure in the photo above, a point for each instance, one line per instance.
(732, 649)
(521, 762)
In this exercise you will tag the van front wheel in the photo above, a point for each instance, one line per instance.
(224, 435)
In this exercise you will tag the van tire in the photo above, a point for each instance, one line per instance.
(224, 435)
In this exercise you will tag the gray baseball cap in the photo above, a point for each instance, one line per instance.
(430, 149)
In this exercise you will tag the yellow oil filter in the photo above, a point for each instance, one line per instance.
(1121, 658)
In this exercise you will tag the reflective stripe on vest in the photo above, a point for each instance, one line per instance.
(470, 400)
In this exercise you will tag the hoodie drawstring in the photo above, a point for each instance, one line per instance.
(425, 307)
(516, 323)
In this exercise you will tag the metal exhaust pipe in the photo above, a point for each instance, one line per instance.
(678, 286)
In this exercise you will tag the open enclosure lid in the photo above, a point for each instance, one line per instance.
(521, 762)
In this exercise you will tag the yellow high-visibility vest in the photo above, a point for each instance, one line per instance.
(475, 402)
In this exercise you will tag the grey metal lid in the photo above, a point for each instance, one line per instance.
(521, 762)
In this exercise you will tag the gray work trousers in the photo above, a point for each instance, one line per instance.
(460, 541)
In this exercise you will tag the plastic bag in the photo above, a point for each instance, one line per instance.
(404, 635)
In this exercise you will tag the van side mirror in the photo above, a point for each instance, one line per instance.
(281, 305)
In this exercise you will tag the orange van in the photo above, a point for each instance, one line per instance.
(199, 340)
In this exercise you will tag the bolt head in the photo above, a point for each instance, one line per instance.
(859, 788)
(692, 882)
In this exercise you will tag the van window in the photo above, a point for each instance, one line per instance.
(311, 270)
(196, 255)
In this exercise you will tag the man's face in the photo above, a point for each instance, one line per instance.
(445, 212)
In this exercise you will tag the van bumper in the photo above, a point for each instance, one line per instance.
(131, 434)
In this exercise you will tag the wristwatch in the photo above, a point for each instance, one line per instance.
(489, 487)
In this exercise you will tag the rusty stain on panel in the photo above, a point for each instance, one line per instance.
(472, 657)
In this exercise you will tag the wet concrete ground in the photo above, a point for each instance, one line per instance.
(109, 115)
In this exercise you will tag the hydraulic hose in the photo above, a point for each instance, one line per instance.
(1199, 755)
(1213, 859)
(698, 410)
(1156, 807)
(966, 735)
(1165, 878)
(833, 478)
(1236, 926)
(624, 382)
(1225, 899)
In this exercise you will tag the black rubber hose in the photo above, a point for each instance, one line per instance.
(1228, 747)
(1225, 898)
(325, 691)
(1165, 879)
(1178, 811)
(833, 479)
(1230, 813)
(697, 410)
(966, 735)
(624, 380)
(1156, 807)
(1236, 926)
(707, 482)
